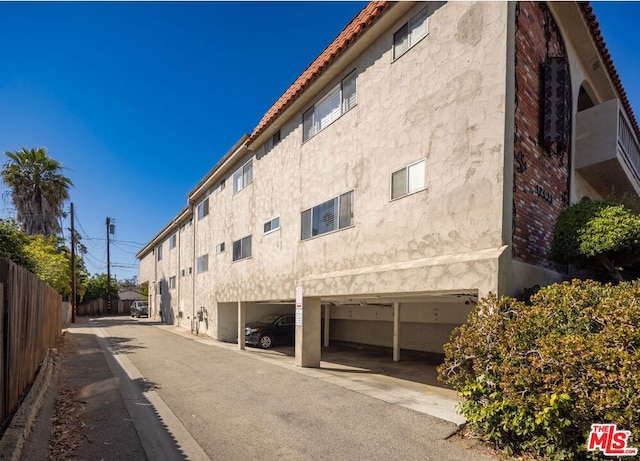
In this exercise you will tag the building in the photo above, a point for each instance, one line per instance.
(418, 164)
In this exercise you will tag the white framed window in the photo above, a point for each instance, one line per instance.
(172, 242)
(410, 33)
(159, 252)
(202, 264)
(242, 248)
(272, 225)
(243, 177)
(336, 102)
(220, 248)
(408, 180)
(329, 216)
(172, 283)
(203, 209)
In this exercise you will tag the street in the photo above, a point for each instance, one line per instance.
(236, 406)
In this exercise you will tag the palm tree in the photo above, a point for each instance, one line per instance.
(38, 190)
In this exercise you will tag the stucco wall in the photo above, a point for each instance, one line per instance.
(442, 101)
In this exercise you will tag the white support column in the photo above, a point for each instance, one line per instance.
(241, 312)
(327, 313)
(308, 341)
(396, 332)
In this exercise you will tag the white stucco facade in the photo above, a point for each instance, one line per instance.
(445, 106)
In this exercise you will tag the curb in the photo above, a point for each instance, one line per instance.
(14, 438)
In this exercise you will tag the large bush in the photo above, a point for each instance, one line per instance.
(534, 378)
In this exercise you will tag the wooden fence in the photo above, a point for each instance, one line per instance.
(30, 323)
(99, 307)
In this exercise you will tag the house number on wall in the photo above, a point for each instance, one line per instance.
(545, 194)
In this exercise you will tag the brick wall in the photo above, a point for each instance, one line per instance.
(540, 176)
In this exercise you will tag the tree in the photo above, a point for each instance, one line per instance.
(13, 242)
(97, 288)
(597, 233)
(38, 190)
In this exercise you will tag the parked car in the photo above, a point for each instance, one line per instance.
(272, 329)
(140, 309)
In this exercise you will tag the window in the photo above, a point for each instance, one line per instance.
(159, 287)
(172, 242)
(272, 142)
(243, 177)
(219, 187)
(410, 34)
(408, 180)
(272, 225)
(329, 216)
(172, 283)
(159, 252)
(182, 273)
(220, 248)
(186, 225)
(339, 100)
(202, 264)
(242, 248)
(203, 209)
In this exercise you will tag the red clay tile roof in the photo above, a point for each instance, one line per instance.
(365, 18)
(606, 57)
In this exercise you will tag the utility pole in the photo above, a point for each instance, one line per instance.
(108, 268)
(73, 268)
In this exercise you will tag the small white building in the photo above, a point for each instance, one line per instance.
(419, 163)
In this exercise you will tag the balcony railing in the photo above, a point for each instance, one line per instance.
(628, 144)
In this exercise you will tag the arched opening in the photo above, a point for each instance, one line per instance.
(585, 97)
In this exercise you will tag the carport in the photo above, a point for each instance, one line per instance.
(416, 322)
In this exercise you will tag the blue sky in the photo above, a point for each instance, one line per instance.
(139, 100)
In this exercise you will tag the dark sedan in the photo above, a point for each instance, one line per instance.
(270, 330)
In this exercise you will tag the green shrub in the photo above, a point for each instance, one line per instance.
(534, 378)
(597, 233)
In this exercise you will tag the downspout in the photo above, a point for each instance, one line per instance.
(193, 263)
(178, 276)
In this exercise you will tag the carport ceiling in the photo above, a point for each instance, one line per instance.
(389, 299)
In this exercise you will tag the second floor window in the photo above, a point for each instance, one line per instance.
(242, 248)
(329, 216)
(272, 225)
(408, 180)
(202, 264)
(172, 283)
(243, 177)
(172, 242)
(339, 100)
(159, 252)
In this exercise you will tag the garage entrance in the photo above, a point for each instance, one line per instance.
(419, 323)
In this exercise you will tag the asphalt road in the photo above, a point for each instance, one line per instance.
(237, 407)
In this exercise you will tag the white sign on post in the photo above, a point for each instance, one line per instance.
(299, 306)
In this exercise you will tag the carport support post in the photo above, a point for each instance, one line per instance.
(396, 331)
(308, 341)
(241, 312)
(327, 312)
